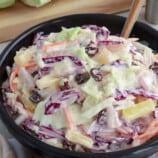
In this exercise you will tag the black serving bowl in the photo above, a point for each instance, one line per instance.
(115, 24)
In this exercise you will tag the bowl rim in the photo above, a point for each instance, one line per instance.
(41, 146)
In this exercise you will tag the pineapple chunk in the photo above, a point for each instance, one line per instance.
(47, 81)
(23, 57)
(79, 138)
(104, 56)
(54, 142)
(27, 103)
(139, 110)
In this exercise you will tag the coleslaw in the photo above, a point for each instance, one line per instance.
(82, 89)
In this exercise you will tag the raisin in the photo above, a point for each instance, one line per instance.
(91, 49)
(34, 73)
(68, 145)
(65, 86)
(82, 77)
(35, 97)
(154, 67)
(96, 74)
(101, 118)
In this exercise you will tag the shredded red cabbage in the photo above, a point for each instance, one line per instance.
(114, 144)
(143, 93)
(120, 95)
(133, 50)
(30, 125)
(55, 59)
(43, 71)
(119, 62)
(38, 36)
(38, 40)
(109, 42)
(48, 133)
(102, 33)
(60, 100)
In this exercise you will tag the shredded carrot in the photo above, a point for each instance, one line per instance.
(15, 73)
(151, 131)
(122, 131)
(30, 66)
(52, 45)
(156, 56)
(12, 77)
(67, 114)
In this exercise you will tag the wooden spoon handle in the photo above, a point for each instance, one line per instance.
(133, 15)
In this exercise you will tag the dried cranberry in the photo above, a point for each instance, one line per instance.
(96, 74)
(68, 145)
(154, 67)
(35, 97)
(65, 86)
(82, 77)
(91, 49)
(101, 118)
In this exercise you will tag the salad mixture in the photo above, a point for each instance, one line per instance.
(82, 89)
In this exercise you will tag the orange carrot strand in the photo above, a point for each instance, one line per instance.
(68, 117)
(151, 131)
(30, 66)
(156, 57)
(12, 77)
(15, 73)
(52, 45)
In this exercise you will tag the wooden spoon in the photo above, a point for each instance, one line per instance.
(132, 17)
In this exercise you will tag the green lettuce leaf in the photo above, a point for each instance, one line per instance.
(68, 34)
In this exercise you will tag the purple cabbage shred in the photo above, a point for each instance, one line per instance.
(102, 33)
(60, 100)
(109, 42)
(74, 59)
(48, 133)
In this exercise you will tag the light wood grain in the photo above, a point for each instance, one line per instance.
(18, 18)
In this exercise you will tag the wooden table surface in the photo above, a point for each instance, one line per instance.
(18, 18)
